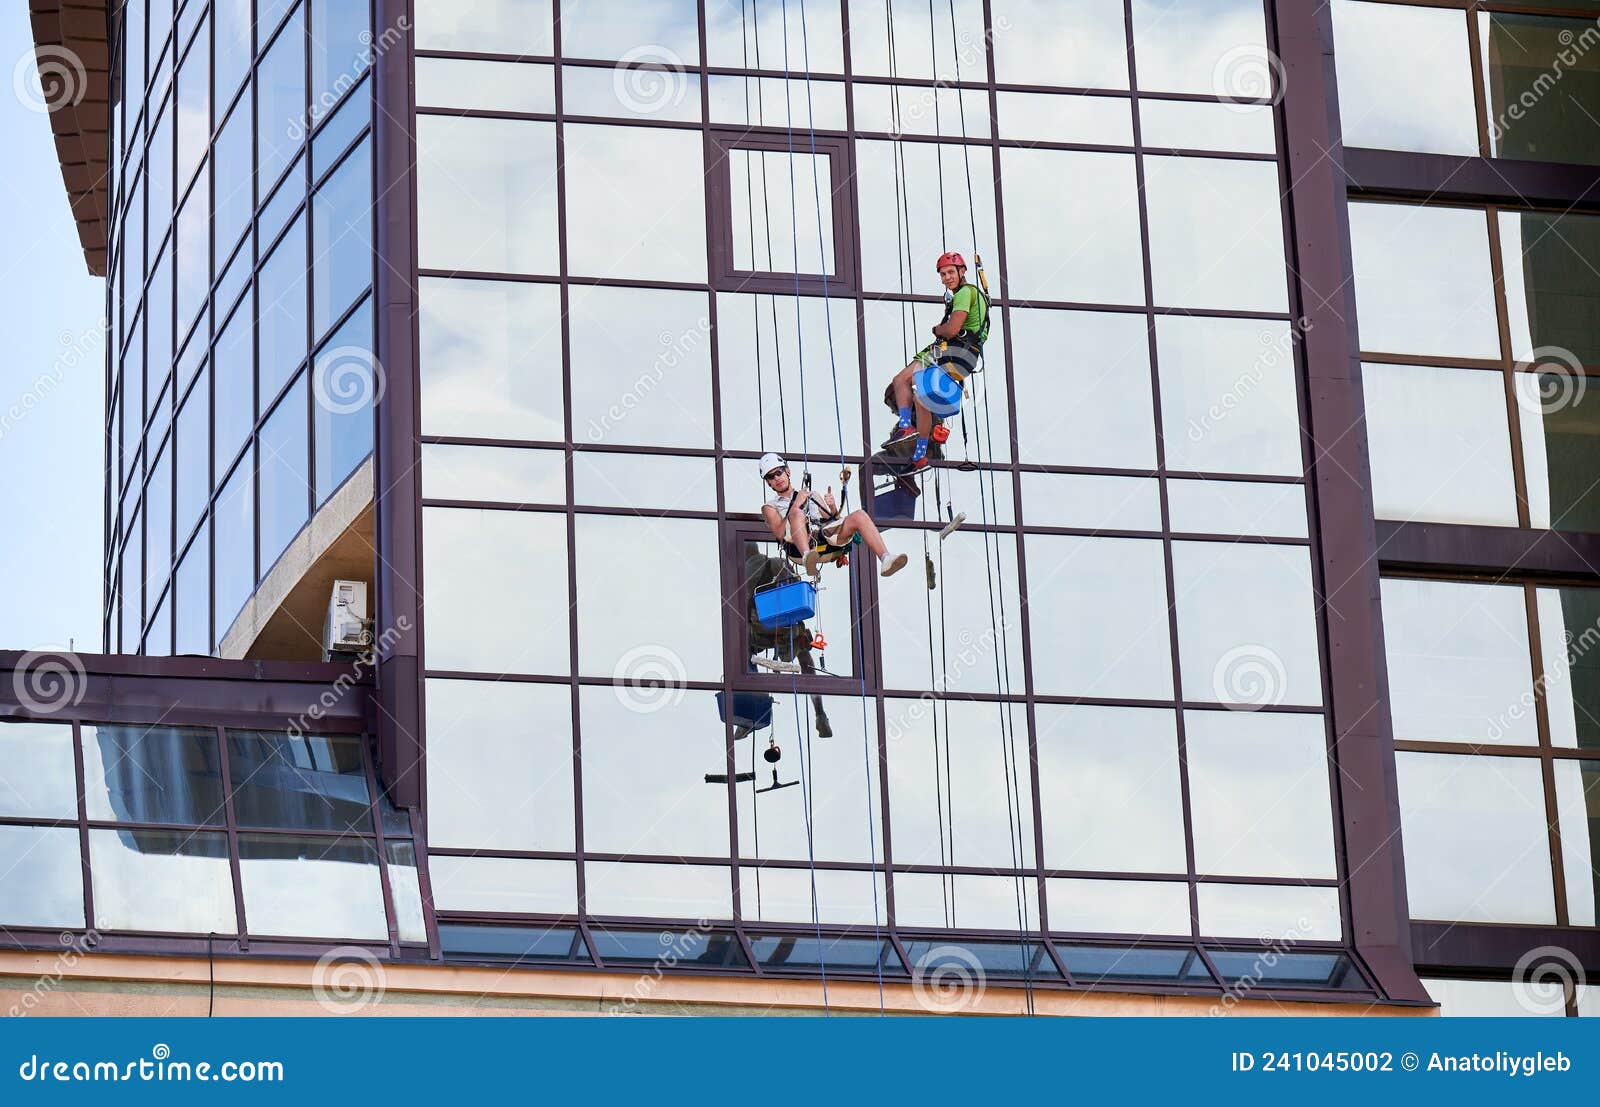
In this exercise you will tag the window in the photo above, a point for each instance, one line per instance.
(782, 212)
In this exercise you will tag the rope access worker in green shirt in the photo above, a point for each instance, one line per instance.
(932, 382)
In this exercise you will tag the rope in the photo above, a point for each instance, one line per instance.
(1008, 749)
(838, 417)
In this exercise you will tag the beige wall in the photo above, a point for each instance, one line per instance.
(47, 983)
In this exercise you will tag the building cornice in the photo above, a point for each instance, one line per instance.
(72, 51)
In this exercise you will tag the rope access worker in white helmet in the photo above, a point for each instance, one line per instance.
(795, 513)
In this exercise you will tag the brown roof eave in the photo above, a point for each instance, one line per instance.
(71, 48)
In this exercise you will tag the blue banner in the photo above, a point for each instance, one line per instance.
(793, 1060)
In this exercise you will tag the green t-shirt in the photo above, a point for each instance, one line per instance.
(967, 298)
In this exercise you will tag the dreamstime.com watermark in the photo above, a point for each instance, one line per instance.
(948, 980)
(1266, 960)
(49, 681)
(48, 78)
(1249, 677)
(373, 47)
(1277, 352)
(158, 1068)
(340, 688)
(650, 677)
(675, 946)
(347, 980)
(1578, 645)
(970, 650)
(1574, 47)
(76, 946)
(673, 349)
(1545, 978)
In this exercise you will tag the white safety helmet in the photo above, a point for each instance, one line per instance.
(771, 462)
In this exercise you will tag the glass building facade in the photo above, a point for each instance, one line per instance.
(239, 301)
(1259, 663)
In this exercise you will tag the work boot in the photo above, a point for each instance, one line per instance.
(892, 565)
(899, 434)
(813, 562)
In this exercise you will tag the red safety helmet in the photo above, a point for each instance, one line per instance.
(950, 259)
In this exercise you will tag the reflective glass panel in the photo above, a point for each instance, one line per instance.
(1459, 667)
(281, 309)
(341, 238)
(285, 482)
(1423, 283)
(1075, 43)
(1228, 401)
(232, 46)
(156, 774)
(661, 623)
(960, 655)
(292, 781)
(485, 85)
(628, 91)
(504, 884)
(1113, 592)
(641, 367)
(1439, 447)
(645, 753)
(1477, 848)
(487, 26)
(1569, 630)
(780, 952)
(959, 784)
(312, 887)
(490, 359)
(493, 473)
(612, 480)
(486, 195)
(1578, 814)
(774, 231)
(759, 343)
(194, 110)
(335, 134)
(1109, 964)
(622, 223)
(1542, 86)
(235, 192)
(1483, 999)
(406, 891)
(39, 781)
(1552, 289)
(1083, 388)
(962, 900)
(1083, 206)
(192, 598)
(346, 385)
(500, 757)
(518, 944)
(1118, 906)
(162, 880)
(1560, 424)
(1191, 125)
(1247, 624)
(926, 110)
(1109, 790)
(1209, 47)
(1258, 785)
(280, 86)
(342, 47)
(515, 559)
(1405, 78)
(233, 526)
(737, 38)
(774, 102)
(1065, 117)
(1276, 913)
(1091, 502)
(660, 31)
(843, 898)
(1322, 971)
(658, 891)
(898, 186)
(192, 239)
(1216, 234)
(1237, 507)
(41, 877)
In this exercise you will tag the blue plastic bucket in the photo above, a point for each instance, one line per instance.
(784, 605)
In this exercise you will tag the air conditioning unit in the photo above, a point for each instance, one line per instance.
(346, 630)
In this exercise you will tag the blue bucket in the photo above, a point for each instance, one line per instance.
(784, 605)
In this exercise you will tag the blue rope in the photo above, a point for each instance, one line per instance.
(838, 421)
(805, 454)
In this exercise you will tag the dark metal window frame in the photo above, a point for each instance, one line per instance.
(721, 143)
